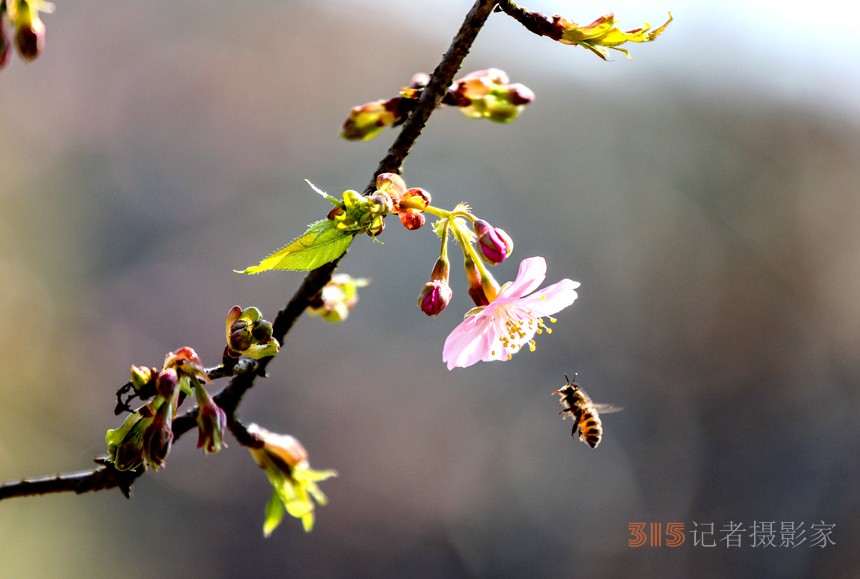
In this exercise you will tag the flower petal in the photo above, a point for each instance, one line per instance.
(551, 299)
(468, 342)
(531, 274)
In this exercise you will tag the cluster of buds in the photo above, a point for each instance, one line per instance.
(484, 94)
(285, 462)
(145, 437)
(334, 302)
(482, 245)
(248, 334)
(29, 36)
(409, 204)
(489, 94)
(360, 214)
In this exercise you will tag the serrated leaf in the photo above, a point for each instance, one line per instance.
(319, 245)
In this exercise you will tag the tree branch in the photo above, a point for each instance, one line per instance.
(106, 476)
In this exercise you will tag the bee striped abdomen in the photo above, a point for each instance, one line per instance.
(590, 429)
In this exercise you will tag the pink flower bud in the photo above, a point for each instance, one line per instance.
(434, 297)
(495, 244)
(166, 383)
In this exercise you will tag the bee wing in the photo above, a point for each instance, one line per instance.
(607, 408)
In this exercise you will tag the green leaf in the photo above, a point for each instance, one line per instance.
(319, 245)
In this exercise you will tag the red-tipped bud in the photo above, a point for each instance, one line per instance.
(520, 94)
(335, 211)
(391, 183)
(412, 219)
(415, 198)
(366, 121)
(434, 297)
(187, 363)
(495, 244)
(187, 355)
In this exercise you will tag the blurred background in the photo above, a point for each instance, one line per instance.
(705, 195)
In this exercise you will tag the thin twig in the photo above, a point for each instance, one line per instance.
(535, 22)
(106, 476)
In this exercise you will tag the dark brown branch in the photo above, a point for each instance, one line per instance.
(106, 477)
(535, 22)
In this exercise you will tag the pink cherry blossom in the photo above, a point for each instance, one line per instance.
(500, 329)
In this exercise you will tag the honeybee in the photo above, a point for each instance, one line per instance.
(586, 414)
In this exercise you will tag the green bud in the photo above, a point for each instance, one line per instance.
(262, 332)
(251, 314)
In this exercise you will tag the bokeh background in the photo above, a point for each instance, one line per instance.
(705, 194)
